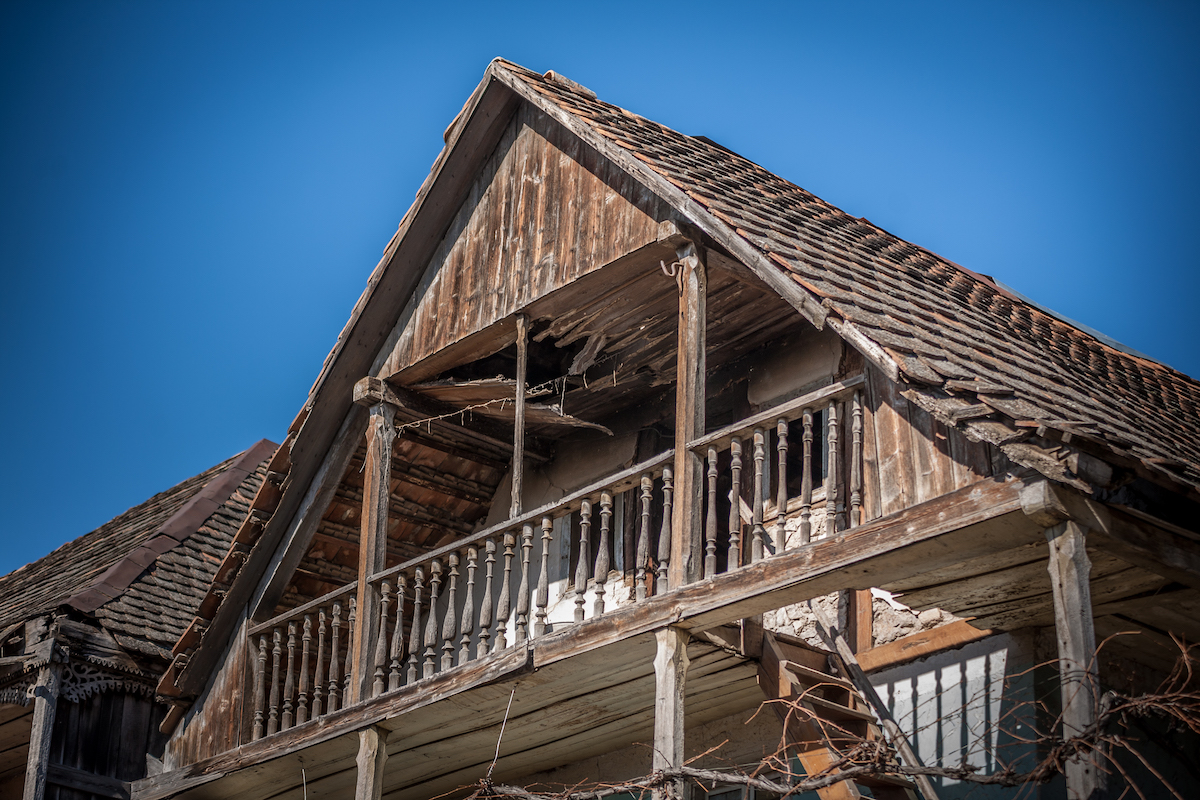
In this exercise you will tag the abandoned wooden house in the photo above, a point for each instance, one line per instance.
(614, 406)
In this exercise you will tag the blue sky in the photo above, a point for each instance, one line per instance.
(195, 193)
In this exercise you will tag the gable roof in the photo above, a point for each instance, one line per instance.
(958, 337)
(973, 353)
(143, 573)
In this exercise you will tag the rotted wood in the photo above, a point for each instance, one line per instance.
(1078, 673)
(670, 676)
(687, 546)
(45, 703)
(372, 756)
(372, 551)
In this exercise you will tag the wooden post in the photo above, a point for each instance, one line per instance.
(372, 756)
(45, 701)
(670, 673)
(686, 545)
(859, 619)
(1075, 632)
(372, 547)
(518, 462)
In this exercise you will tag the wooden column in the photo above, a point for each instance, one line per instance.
(45, 701)
(1075, 632)
(518, 458)
(670, 673)
(859, 619)
(686, 530)
(372, 756)
(372, 547)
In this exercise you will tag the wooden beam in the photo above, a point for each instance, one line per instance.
(1078, 674)
(372, 756)
(87, 782)
(370, 391)
(686, 528)
(373, 541)
(308, 518)
(518, 458)
(919, 645)
(670, 691)
(45, 702)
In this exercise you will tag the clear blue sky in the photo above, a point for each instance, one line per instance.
(195, 193)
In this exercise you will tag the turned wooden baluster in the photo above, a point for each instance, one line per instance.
(276, 657)
(781, 493)
(504, 604)
(585, 552)
(835, 518)
(806, 476)
(467, 624)
(449, 622)
(710, 522)
(289, 682)
(414, 639)
(523, 590)
(351, 631)
(335, 685)
(664, 533)
(643, 542)
(397, 649)
(601, 573)
(757, 531)
(429, 665)
(319, 673)
(543, 588)
(381, 644)
(260, 674)
(735, 504)
(305, 645)
(856, 432)
(482, 647)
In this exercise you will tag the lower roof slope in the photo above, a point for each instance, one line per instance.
(143, 573)
(938, 322)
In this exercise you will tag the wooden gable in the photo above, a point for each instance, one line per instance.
(544, 210)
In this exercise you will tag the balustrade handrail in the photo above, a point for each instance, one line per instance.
(834, 391)
(619, 482)
(349, 590)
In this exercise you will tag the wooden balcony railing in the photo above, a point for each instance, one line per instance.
(557, 565)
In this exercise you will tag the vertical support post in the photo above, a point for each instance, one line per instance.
(859, 620)
(686, 528)
(372, 546)
(372, 756)
(670, 674)
(518, 462)
(45, 702)
(1075, 632)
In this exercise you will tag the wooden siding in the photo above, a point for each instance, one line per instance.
(544, 210)
(217, 721)
(107, 734)
(908, 456)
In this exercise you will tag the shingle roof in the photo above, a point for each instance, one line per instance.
(939, 323)
(144, 573)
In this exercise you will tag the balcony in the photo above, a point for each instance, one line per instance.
(795, 472)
